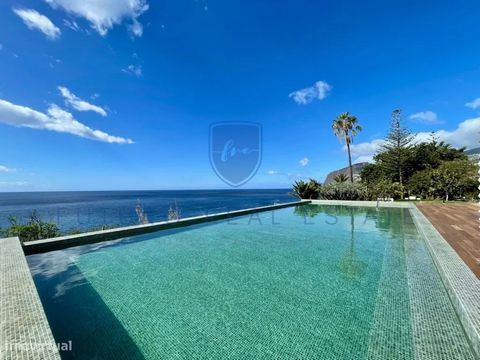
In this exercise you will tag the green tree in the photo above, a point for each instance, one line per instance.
(345, 128)
(396, 149)
(456, 178)
(385, 188)
(371, 174)
(422, 183)
(430, 155)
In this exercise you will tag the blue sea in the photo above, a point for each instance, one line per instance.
(86, 210)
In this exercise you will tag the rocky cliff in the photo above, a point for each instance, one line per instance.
(357, 168)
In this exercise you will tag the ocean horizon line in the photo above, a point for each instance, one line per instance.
(145, 190)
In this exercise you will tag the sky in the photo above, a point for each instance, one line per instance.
(121, 94)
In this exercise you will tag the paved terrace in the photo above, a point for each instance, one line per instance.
(459, 225)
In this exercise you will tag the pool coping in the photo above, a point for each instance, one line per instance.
(382, 204)
(24, 329)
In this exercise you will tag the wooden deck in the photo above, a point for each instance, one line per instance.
(459, 225)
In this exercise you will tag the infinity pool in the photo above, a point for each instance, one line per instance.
(306, 282)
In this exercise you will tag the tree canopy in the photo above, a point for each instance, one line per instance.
(431, 169)
(395, 152)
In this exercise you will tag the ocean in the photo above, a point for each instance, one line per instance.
(86, 210)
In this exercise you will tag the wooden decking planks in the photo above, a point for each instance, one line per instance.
(459, 225)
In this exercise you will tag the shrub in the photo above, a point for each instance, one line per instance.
(174, 212)
(34, 229)
(141, 214)
(306, 189)
(343, 191)
(341, 178)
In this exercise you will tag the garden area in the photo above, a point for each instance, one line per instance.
(403, 168)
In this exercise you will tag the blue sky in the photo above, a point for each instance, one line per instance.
(120, 94)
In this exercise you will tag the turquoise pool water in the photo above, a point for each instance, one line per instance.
(307, 282)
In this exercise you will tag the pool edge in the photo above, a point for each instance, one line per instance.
(63, 242)
(461, 284)
(25, 331)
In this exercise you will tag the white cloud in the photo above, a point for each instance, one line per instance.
(55, 119)
(104, 14)
(6, 169)
(467, 134)
(79, 104)
(364, 151)
(14, 183)
(135, 70)
(72, 24)
(319, 90)
(474, 104)
(288, 176)
(363, 159)
(52, 61)
(34, 20)
(428, 117)
(136, 28)
(304, 162)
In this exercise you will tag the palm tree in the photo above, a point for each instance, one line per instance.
(306, 190)
(341, 178)
(345, 127)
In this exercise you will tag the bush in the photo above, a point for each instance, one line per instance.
(34, 229)
(341, 178)
(306, 190)
(385, 189)
(343, 191)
